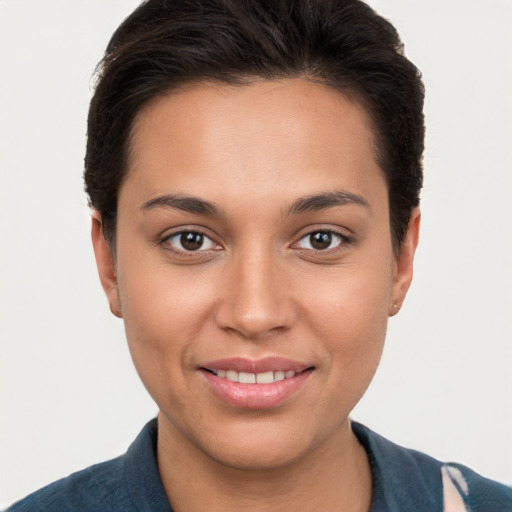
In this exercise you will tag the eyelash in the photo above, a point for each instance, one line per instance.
(167, 240)
(328, 235)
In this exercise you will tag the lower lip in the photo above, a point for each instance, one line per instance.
(256, 396)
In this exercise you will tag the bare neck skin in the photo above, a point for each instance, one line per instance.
(334, 477)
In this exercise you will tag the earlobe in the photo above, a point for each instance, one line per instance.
(105, 264)
(404, 264)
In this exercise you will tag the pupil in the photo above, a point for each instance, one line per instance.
(191, 241)
(321, 240)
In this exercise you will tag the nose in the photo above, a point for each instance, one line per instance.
(256, 296)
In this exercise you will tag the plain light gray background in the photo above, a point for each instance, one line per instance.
(69, 395)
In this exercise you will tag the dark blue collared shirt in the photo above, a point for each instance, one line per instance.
(403, 481)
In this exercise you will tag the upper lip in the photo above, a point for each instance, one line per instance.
(267, 364)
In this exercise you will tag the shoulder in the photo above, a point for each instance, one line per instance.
(126, 484)
(408, 478)
(99, 487)
(480, 493)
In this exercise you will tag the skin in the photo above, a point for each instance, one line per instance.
(257, 289)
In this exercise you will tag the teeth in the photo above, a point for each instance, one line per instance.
(232, 375)
(255, 378)
(247, 378)
(279, 375)
(265, 378)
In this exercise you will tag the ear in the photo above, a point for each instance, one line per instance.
(404, 264)
(105, 264)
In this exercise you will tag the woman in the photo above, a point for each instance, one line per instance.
(254, 173)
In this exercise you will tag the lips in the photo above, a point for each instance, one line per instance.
(259, 384)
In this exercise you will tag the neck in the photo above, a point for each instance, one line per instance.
(335, 476)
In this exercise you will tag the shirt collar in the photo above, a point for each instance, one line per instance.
(403, 480)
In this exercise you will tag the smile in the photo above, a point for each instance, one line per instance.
(261, 384)
(254, 378)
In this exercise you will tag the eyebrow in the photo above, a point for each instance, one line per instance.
(326, 200)
(181, 202)
(305, 204)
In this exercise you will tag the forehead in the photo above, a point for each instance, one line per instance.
(258, 139)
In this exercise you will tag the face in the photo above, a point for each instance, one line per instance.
(254, 267)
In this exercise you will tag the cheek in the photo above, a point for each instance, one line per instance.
(164, 315)
(352, 299)
(349, 314)
(159, 302)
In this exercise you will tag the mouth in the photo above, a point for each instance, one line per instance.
(260, 384)
(254, 378)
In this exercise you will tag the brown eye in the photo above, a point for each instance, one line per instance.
(321, 241)
(190, 241)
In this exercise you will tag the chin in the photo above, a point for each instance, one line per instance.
(258, 456)
(261, 445)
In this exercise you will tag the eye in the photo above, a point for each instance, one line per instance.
(321, 241)
(190, 241)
